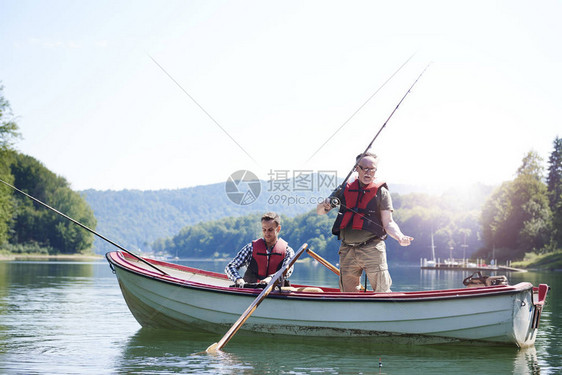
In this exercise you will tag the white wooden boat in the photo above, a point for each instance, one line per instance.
(166, 295)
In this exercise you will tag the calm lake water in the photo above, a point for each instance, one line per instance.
(70, 318)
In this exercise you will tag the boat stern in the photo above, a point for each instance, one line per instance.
(527, 311)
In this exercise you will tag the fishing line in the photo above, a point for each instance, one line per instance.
(334, 197)
(360, 107)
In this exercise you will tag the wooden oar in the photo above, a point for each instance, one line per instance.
(324, 262)
(330, 266)
(236, 326)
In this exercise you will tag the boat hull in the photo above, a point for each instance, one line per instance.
(496, 315)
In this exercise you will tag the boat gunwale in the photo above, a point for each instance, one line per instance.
(333, 296)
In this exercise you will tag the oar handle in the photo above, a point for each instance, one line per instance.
(324, 262)
(329, 265)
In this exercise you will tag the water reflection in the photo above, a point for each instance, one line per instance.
(54, 317)
(41, 274)
(162, 351)
(526, 362)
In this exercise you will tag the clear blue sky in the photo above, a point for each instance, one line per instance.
(102, 88)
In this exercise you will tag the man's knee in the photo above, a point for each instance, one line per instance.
(349, 283)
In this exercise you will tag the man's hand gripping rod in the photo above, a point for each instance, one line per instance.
(334, 198)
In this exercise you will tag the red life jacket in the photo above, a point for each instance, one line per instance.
(359, 209)
(262, 264)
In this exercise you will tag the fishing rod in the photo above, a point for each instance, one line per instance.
(360, 107)
(83, 226)
(335, 196)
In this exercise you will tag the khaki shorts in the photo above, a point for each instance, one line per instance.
(370, 258)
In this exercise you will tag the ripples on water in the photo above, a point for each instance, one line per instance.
(70, 318)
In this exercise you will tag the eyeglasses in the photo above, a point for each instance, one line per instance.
(367, 170)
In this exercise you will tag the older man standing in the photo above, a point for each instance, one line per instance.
(363, 222)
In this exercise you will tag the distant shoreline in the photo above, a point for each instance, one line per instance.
(8, 257)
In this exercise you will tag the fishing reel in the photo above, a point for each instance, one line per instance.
(334, 202)
(334, 198)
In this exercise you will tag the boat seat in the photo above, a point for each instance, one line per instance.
(477, 280)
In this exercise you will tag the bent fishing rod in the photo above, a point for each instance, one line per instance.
(83, 226)
(334, 197)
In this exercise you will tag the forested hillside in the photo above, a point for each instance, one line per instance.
(34, 228)
(135, 218)
(29, 227)
(452, 216)
(525, 215)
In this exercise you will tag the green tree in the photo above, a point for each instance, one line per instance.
(34, 223)
(534, 214)
(531, 166)
(6, 201)
(557, 226)
(494, 218)
(9, 131)
(8, 134)
(554, 177)
(530, 193)
(516, 218)
(554, 185)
